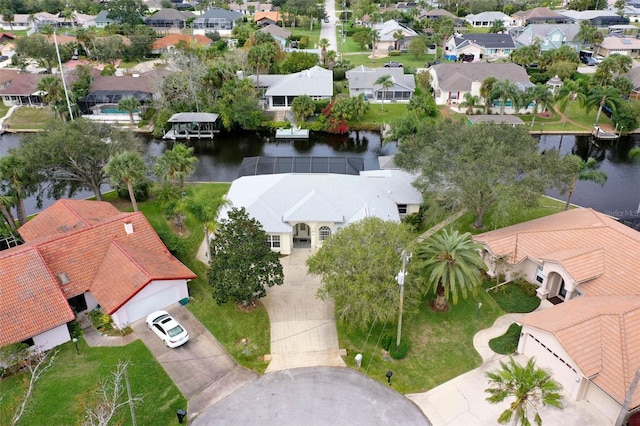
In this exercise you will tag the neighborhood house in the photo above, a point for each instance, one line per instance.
(79, 255)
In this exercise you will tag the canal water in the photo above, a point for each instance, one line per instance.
(220, 159)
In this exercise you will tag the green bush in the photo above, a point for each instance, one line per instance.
(74, 329)
(386, 342)
(339, 73)
(394, 53)
(140, 191)
(414, 220)
(304, 42)
(529, 289)
(512, 298)
(399, 351)
(174, 243)
(320, 105)
(148, 113)
(100, 319)
(508, 342)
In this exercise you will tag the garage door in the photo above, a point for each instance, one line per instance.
(143, 307)
(546, 358)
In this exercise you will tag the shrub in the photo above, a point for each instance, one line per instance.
(386, 342)
(74, 329)
(320, 105)
(174, 244)
(304, 42)
(100, 319)
(394, 53)
(339, 73)
(148, 113)
(140, 191)
(414, 220)
(399, 351)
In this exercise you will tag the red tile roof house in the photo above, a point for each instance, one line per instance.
(82, 254)
(587, 263)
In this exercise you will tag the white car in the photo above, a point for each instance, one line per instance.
(167, 328)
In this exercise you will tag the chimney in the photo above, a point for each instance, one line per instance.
(63, 278)
(128, 228)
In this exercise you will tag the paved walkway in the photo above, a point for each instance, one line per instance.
(303, 328)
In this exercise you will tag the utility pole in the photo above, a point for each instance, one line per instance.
(400, 280)
(64, 83)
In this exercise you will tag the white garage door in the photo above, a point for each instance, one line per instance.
(143, 307)
(546, 358)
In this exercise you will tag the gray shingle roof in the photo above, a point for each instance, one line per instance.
(170, 15)
(541, 31)
(459, 75)
(217, 12)
(490, 41)
(276, 31)
(365, 78)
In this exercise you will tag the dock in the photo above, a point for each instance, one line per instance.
(600, 134)
(192, 125)
(292, 133)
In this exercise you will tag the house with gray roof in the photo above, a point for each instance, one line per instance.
(216, 19)
(169, 20)
(278, 33)
(450, 81)
(481, 46)
(387, 33)
(102, 19)
(486, 19)
(303, 210)
(551, 36)
(597, 18)
(280, 90)
(539, 15)
(362, 80)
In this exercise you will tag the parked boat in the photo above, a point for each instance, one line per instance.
(600, 134)
(192, 125)
(292, 133)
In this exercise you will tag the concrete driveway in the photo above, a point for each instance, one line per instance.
(303, 329)
(202, 369)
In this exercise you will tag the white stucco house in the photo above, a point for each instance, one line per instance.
(486, 19)
(387, 33)
(362, 80)
(303, 210)
(586, 263)
(83, 254)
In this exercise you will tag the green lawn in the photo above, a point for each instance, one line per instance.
(584, 120)
(513, 298)
(59, 395)
(546, 206)
(508, 342)
(314, 36)
(378, 115)
(30, 118)
(441, 344)
(407, 59)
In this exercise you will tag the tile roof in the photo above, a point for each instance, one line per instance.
(61, 38)
(173, 39)
(82, 248)
(148, 82)
(31, 301)
(602, 335)
(276, 31)
(539, 13)
(274, 16)
(598, 252)
(460, 76)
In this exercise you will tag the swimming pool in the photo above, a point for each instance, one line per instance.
(113, 109)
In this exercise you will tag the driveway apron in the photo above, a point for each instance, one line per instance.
(303, 328)
(201, 368)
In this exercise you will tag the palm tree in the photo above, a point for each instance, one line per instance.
(582, 170)
(452, 266)
(206, 211)
(569, 92)
(261, 56)
(129, 168)
(529, 385)
(323, 43)
(374, 39)
(589, 34)
(470, 102)
(15, 174)
(52, 92)
(6, 202)
(505, 91)
(540, 96)
(485, 91)
(176, 164)
(601, 96)
(386, 81)
(398, 36)
(497, 27)
(129, 104)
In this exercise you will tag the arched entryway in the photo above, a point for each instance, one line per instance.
(301, 236)
(557, 288)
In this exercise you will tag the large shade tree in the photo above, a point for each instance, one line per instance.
(242, 265)
(452, 267)
(71, 155)
(357, 266)
(528, 387)
(475, 167)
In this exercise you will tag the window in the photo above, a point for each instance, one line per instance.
(539, 275)
(303, 227)
(273, 241)
(325, 232)
(402, 208)
(29, 342)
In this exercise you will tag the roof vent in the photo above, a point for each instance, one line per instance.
(63, 278)
(128, 228)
